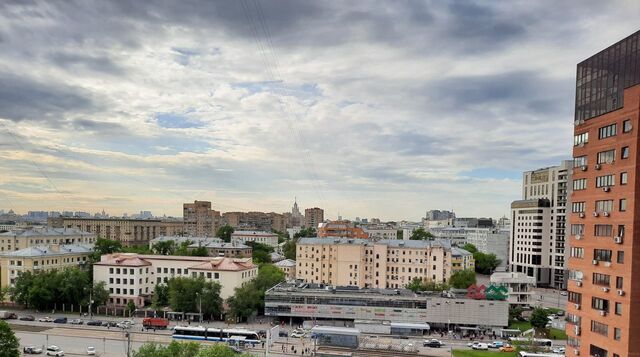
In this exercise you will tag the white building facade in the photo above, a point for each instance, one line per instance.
(243, 237)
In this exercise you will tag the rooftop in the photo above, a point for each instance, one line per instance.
(287, 263)
(50, 250)
(459, 251)
(253, 233)
(309, 289)
(46, 231)
(199, 263)
(395, 243)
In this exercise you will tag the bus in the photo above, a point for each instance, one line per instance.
(200, 333)
(540, 342)
(531, 354)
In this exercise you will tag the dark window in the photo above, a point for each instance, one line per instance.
(620, 258)
(623, 204)
(624, 178)
(619, 282)
(625, 152)
(603, 255)
(601, 279)
(607, 131)
(600, 304)
(626, 126)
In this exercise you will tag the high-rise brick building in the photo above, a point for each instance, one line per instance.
(603, 313)
(200, 220)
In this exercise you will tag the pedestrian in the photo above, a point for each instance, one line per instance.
(262, 344)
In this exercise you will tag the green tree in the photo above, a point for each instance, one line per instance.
(211, 300)
(183, 249)
(131, 307)
(105, 246)
(248, 300)
(539, 318)
(69, 281)
(305, 232)
(485, 263)
(199, 252)
(166, 247)
(289, 249)
(220, 350)
(400, 234)
(415, 285)
(184, 295)
(462, 279)
(99, 293)
(160, 296)
(418, 285)
(9, 344)
(174, 349)
(515, 313)
(225, 232)
(421, 234)
(470, 248)
(4, 293)
(261, 253)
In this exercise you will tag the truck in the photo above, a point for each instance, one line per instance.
(155, 323)
(6, 315)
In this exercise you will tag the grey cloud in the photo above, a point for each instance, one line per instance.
(101, 127)
(75, 61)
(22, 98)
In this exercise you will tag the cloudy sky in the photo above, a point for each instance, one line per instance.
(371, 109)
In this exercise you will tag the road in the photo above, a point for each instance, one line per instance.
(549, 298)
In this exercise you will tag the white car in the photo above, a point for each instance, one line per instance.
(480, 346)
(45, 319)
(54, 350)
(297, 334)
(91, 351)
(559, 350)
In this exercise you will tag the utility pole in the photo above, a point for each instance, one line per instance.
(199, 306)
(128, 335)
(90, 303)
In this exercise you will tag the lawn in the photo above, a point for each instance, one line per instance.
(471, 353)
(556, 334)
(520, 325)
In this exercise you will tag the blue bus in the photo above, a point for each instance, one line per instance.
(200, 333)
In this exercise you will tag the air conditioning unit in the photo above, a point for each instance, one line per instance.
(581, 214)
(607, 264)
(597, 167)
(617, 240)
(606, 189)
(577, 306)
(583, 167)
(606, 214)
(606, 290)
(576, 329)
(603, 313)
(578, 236)
(576, 352)
(594, 262)
(578, 283)
(596, 214)
(620, 292)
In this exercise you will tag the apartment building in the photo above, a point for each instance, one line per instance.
(520, 286)
(133, 277)
(131, 232)
(313, 217)
(378, 232)
(344, 229)
(490, 241)
(603, 313)
(200, 220)
(243, 237)
(537, 239)
(215, 247)
(461, 260)
(38, 236)
(375, 264)
(288, 267)
(260, 221)
(41, 258)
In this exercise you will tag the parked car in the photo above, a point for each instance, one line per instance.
(563, 293)
(91, 351)
(283, 334)
(94, 323)
(27, 318)
(32, 350)
(297, 334)
(480, 346)
(45, 319)
(76, 322)
(7, 315)
(496, 344)
(123, 325)
(433, 343)
(507, 348)
(109, 323)
(54, 350)
(559, 350)
(60, 320)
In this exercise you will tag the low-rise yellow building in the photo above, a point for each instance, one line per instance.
(41, 258)
(288, 266)
(39, 236)
(461, 260)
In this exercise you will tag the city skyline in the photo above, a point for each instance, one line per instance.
(381, 114)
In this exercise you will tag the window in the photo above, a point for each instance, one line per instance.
(575, 298)
(603, 255)
(577, 229)
(606, 157)
(580, 139)
(604, 206)
(579, 161)
(626, 126)
(617, 334)
(577, 207)
(619, 282)
(621, 230)
(577, 252)
(605, 181)
(623, 205)
(599, 328)
(624, 178)
(600, 304)
(618, 308)
(579, 184)
(620, 257)
(603, 230)
(625, 152)
(601, 279)
(607, 131)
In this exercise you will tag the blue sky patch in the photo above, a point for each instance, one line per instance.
(177, 121)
